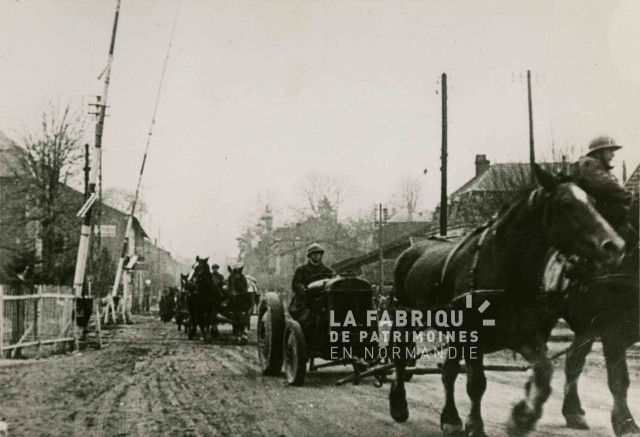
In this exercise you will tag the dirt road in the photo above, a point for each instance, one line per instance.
(150, 381)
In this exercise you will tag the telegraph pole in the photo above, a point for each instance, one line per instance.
(86, 169)
(443, 158)
(532, 153)
(382, 219)
(85, 212)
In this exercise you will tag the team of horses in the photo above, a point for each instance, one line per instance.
(202, 303)
(501, 265)
(503, 262)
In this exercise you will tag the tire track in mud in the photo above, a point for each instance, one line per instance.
(91, 420)
(184, 401)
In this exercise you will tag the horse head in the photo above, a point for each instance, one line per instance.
(237, 281)
(201, 273)
(571, 224)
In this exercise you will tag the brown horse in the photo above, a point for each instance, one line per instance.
(505, 256)
(240, 302)
(203, 299)
(606, 306)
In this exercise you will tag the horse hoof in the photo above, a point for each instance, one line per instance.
(398, 404)
(522, 421)
(627, 428)
(471, 431)
(450, 430)
(576, 421)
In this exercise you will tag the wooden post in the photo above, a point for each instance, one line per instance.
(38, 330)
(380, 251)
(96, 307)
(443, 158)
(1, 320)
(532, 153)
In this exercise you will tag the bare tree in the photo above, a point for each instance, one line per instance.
(407, 194)
(51, 157)
(325, 193)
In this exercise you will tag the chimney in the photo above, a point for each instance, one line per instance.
(482, 164)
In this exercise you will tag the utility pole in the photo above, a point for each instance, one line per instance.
(532, 153)
(85, 212)
(86, 169)
(383, 216)
(443, 160)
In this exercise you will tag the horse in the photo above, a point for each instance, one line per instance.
(505, 256)
(606, 306)
(203, 299)
(240, 302)
(167, 304)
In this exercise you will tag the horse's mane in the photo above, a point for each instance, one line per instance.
(509, 210)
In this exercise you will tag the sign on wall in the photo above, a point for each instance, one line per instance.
(106, 230)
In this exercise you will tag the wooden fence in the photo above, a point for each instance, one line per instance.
(35, 316)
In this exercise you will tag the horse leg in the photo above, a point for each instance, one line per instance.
(576, 357)
(476, 386)
(614, 349)
(397, 395)
(526, 413)
(214, 324)
(400, 352)
(450, 422)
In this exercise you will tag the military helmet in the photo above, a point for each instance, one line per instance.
(314, 248)
(601, 143)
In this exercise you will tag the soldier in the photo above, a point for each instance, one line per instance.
(313, 270)
(593, 174)
(218, 279)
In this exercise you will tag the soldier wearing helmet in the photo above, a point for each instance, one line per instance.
(313, 270)
(592, 173)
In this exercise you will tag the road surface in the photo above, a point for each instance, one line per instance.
(150, 381)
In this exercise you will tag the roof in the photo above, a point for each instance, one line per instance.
(633, 183)
(503, 177)
(406, 239)
(11, 164)
(395, 230)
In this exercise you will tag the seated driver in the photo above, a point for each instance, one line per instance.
(313, 270)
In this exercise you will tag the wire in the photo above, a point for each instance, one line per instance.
(155, 109)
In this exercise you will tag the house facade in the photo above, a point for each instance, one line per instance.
(20, 233)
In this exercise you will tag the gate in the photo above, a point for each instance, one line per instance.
(35, 316)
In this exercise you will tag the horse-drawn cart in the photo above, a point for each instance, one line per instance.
(341, 316)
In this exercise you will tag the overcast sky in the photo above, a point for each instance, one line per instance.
(260, 93)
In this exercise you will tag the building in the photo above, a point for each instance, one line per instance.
(492, 186)
(21, 233)
(633, 182)
(468, 207)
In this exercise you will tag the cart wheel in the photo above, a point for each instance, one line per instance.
(295, 353)
(270, 332)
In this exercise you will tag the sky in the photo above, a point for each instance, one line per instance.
(258, 94)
